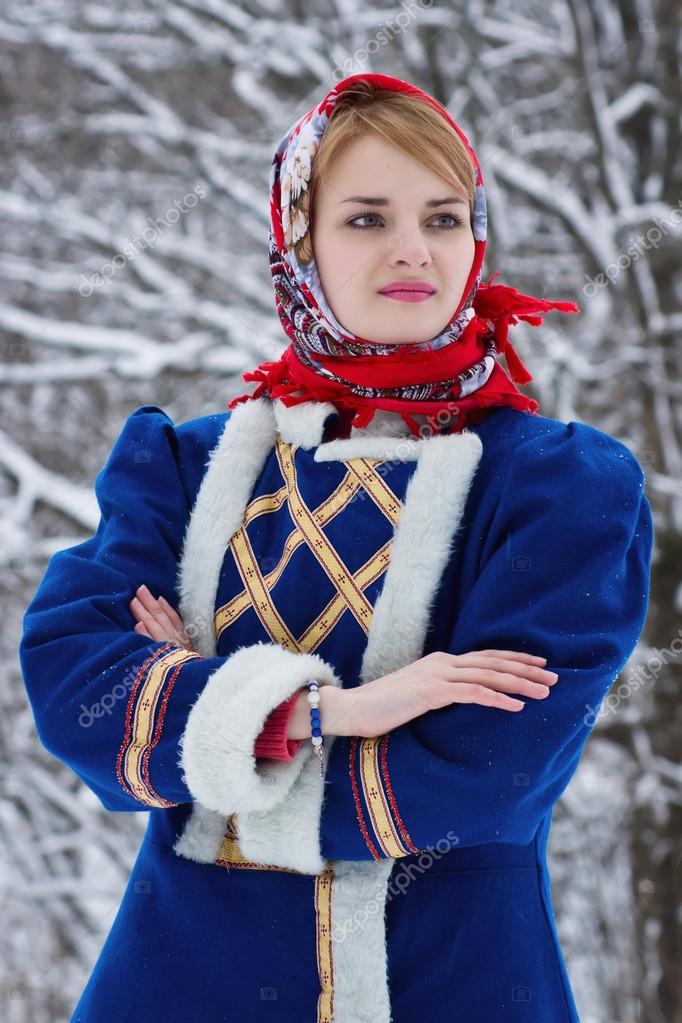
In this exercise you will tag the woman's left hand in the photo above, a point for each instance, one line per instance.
(157, 620)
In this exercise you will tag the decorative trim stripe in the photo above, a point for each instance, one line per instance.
(359, 812)
(336, 502)
(368, 573)
(257, 592)
(320, 546)
(151, 691)
(376, 487)
(361, 475)
(325, 956)
(385, 831)
(391, 796)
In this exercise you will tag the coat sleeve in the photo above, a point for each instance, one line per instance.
(148, 724)
(564, 574)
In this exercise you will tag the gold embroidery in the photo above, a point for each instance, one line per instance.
(308, 528)
(142, 727)
(323, 550)
(257, 592)
(380, 815)
(325, 959)
(336, 502)
(329, 616)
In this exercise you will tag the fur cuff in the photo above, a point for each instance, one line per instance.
(289, 834)
(217, 746)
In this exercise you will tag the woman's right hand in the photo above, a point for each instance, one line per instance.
(437, 680)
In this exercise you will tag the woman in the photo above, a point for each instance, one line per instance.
(386, 514)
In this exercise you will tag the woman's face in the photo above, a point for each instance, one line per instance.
(393, 236)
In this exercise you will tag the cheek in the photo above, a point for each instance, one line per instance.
(461, 256)
(343, 257)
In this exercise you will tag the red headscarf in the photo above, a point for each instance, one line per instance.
(451, 379)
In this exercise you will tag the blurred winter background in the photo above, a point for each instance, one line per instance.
(136, 147)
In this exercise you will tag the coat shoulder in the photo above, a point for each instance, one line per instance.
(582, 452)
(192, 440)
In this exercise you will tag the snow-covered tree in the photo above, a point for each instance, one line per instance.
(136, 148)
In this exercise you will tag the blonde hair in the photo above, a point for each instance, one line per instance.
(404, 121)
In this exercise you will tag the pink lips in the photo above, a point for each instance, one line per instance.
(408, 292)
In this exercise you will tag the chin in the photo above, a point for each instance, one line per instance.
(382, 337)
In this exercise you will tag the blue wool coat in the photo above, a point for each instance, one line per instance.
(410, 881)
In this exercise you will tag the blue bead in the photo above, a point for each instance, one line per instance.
(316, 731)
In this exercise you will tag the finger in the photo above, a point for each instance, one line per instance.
(151, 627)
(173, 616)
(141, 629)
(498, 680)
(489, 697)
(153, 608)
(157, 621)
(514, 655)
(165, 614)
(521, 668)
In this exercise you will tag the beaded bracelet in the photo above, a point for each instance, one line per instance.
(315, 729)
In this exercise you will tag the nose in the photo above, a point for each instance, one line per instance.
(410, 249)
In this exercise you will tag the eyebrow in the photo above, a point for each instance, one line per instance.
(379, 201)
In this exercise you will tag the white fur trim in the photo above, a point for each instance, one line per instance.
(429, 520)
(359, 951)
(384, 423)
(394, 449)
(234, 466)
(302, 424)
(387, 435)
(202, 836)
(288, 835)
(217, 745)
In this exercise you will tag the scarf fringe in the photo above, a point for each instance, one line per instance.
(503, 306)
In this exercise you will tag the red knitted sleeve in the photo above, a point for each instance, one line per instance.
(272, 741)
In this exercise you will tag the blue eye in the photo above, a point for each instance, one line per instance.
(457, 221)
